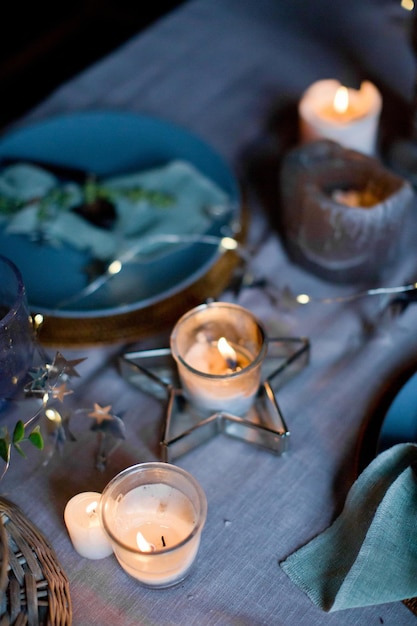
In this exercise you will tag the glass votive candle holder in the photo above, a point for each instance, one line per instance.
(17, 337)
(219, 349)
(153, 514)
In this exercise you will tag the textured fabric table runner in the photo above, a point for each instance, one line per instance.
(224, 69)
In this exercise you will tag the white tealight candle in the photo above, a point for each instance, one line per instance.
(84, 528)
(219, 349)
(328, 110)
(154, 514)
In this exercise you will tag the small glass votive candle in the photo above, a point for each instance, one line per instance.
(153, 514)
(219, 349)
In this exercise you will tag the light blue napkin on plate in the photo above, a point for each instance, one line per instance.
(368, 555)
(190, 202)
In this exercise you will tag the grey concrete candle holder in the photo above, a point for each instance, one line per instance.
(342, 212)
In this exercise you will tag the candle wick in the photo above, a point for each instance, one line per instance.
(91, 509)
(163, 541)
(231, 364)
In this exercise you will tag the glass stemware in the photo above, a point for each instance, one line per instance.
(17, 340)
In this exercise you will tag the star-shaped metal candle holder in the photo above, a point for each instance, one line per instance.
(155, 372)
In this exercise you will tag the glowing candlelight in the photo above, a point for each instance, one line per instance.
(227, 353)
(341, 100)
(219, 349)
(143, 545)
(329, 110)
(153, 514)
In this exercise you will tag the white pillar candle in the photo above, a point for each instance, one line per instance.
(328, 110)
(216, 377)
(84, 528)
(154, 514)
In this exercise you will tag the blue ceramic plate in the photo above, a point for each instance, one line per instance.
(400, 422)
(112, 143)
(392, 418)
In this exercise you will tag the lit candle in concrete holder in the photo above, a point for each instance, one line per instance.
(342, 212)
(219, 349)
(328, 110)
(153, 514)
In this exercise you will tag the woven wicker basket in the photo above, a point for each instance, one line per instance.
(34, 589)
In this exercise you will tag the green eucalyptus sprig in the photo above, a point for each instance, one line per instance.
(61, 198)
(49, 384)
(10, 206)
(16, 439)
(159, 199)
(53, 199)
(93, 190)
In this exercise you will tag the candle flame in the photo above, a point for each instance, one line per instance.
(143, 545)
(227, 352)
(90, 509)
(341, 100)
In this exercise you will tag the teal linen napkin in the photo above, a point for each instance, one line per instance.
(191, 202)
(368, 555)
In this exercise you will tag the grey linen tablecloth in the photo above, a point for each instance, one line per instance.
(222, 68)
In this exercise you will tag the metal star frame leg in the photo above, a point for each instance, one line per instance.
(155, 372)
